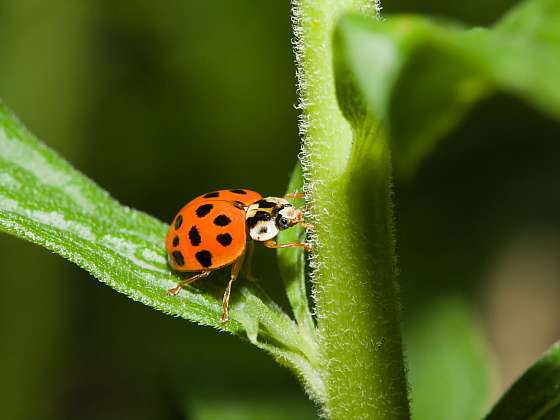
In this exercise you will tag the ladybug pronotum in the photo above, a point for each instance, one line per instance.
(212, 231)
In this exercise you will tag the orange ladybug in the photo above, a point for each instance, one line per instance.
(212, 231)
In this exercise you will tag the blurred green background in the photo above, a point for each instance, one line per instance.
(161, 101)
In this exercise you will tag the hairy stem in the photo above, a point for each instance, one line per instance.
(348, 185)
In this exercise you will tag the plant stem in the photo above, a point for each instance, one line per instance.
(348, 185)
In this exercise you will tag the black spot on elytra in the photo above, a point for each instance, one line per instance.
(178, 222)
(222, 220)
(243, 192)
(204, 258)
(179, 260)
(224, 239)
(175, 241)
(263, 230)
(194, 236)
(203, 210)
(263, 204)
(212, 194)
(259, 216)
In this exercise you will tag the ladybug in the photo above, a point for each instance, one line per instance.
(213, 230)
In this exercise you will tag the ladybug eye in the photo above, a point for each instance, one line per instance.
(282, 222)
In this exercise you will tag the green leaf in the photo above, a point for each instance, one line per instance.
(449, 365)
(46, 201)
(292, 264)
(420, 77)
(536, 395)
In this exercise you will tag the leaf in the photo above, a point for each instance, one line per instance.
(292, 264)
(44, 200)
(534, 396)
(449, 365)
(419, 78)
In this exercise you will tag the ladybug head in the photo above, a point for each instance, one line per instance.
(287, 216)
(268, 216)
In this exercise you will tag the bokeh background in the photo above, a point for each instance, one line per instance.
(161, 101)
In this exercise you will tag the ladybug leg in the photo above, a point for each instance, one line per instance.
(302, 222)
(294, 195)
(236, 267)
(306, 225)
(272, 244)
(175, 290)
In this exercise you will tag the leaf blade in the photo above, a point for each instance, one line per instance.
(291, 262)
(44, 200)
(536, 394)
(420, 78)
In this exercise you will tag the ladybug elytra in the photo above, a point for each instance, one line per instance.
(212, 232)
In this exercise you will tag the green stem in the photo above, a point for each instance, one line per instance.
(348, 181)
